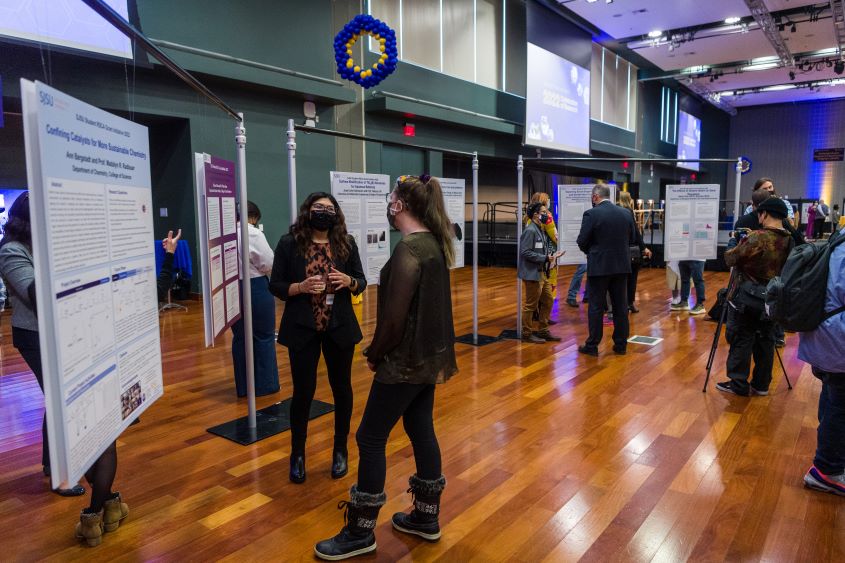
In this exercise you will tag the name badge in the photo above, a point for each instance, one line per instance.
(330, 299)
(538, 245)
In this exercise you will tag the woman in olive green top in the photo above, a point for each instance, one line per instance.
(412, 350)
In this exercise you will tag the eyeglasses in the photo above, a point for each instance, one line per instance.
(327, 208)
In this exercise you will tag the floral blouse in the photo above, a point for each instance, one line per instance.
(319, 263)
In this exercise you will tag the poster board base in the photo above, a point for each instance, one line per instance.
(269, 421)
(483, 340)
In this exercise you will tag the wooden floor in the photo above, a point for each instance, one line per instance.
(550, 455)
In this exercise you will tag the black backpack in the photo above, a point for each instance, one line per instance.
(796, 298)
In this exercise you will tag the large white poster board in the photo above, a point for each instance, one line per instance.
(573, 201)
(92, 234)
(363, 200)
(692, 222)
(219, 252)
(454, 198)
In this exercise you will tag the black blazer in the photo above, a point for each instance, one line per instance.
(607, 233)
(297, 327)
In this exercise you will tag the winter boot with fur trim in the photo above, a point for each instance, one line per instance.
(90, 528)
(357, 536)
(423, 520)
(114, 511)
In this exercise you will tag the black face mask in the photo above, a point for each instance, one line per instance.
(391, 217)
(321, 221)
(544, 218)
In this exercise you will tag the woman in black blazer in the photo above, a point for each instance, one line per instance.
(316, 270)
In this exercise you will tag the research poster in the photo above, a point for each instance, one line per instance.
(363, 200)
(692, 222)
(219, 251)
(92, 233)
(454, 198)
(573, 201)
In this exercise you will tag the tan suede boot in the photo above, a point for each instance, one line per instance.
(114, 511)
(90, 528)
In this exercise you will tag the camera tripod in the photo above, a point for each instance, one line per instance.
(717, 336)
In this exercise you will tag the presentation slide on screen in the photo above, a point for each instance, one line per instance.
(365, 196)
(557, 103)
(573, 201)
(98, 317)
(692, 222)
(65, 23)
(219, 252)
(689, 139)
(454, 198)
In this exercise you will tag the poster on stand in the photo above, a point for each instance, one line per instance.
(219, 249)
(692, 222)
(93, 249)
(573, 201)
(454, 198)
(363, 200)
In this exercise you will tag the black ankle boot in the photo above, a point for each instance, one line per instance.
(340, 464)
(357, 537)
(423, 520)
(297, 468)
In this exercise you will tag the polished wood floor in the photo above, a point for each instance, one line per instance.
(550, 455)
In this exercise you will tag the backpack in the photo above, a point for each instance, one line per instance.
(796, 298)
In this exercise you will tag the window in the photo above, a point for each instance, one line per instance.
(668, 116)
(461, 38)
(613, 89)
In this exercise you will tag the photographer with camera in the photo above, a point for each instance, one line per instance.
(758, 257)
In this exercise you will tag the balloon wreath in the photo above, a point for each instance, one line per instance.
(745, 166)
(360, 25)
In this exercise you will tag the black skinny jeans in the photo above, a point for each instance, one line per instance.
(303, 367)
(414, 403)
(27, 344)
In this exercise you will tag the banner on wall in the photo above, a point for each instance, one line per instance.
(363, 200)
(220, 252)
(454, 198)
(93, 248)
(692, 222)
(573, 201)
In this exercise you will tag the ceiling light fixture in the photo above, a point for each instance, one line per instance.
(732, 20)
(759, 66)
(655, 34)
(839, 67)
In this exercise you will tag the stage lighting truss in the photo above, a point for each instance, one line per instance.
(767, 24)
(837, 7)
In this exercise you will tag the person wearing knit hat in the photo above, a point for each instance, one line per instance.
(758, 257)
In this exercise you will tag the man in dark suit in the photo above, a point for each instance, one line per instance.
(607, 233)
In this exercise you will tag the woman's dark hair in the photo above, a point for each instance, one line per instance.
(17, 228)
(759, 183)
(252, 211)
(338, 237)
(424, 199)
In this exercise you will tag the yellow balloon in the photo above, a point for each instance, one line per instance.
(382, 40)
(349, 44)
(349, 63)
(375, 65)
(349, 52)
(364, 74)
(381, 48)
(357, 69)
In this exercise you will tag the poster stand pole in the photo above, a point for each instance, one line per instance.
(517, 334)
(246, 288)
(475, 339)
(475, 248)
(736, 189)
(291, 145)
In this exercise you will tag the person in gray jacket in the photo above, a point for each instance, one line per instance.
(536, 258)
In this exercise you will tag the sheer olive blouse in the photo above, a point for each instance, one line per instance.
(414, 340)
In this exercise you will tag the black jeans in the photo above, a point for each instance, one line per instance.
(694, 269)
(27, 343)
(749, 335)
(599, 286)
(303, 367)
(414, 403)
(830, 448)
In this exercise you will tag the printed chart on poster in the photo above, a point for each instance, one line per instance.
(454, 198)
(92, 234)
(573, 201)
(363, 200)
(692, 222)
(219, 253)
